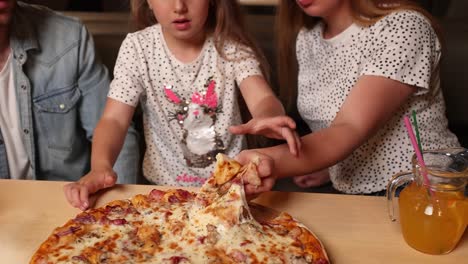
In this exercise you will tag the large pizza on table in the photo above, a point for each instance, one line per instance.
(214, 225)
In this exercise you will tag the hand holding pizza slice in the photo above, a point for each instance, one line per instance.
(264, 167)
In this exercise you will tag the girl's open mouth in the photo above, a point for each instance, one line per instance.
(182, 24)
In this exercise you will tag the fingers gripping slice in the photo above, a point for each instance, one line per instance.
(227, 169)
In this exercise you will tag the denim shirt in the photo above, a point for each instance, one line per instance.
(61, 88)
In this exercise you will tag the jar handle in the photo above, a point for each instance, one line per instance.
(396, 181)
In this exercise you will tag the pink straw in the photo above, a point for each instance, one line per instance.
(419, 156)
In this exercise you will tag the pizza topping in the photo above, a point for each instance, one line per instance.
(147, 240)
(156, 195)
(295, 232)
(184, 195)
(131, 210)
(201, 201)
(219, 256)
(85, 218)
(114, 209)
(167, 214)
(140, 201)
(118, 221)
(246, 242)
(212, 234)
(68, 231)
(173, 199)
(80, 258)
(176, 227)
(177, 260)
(106, 221)
(201, 239)
(280, 230)
(238, 255)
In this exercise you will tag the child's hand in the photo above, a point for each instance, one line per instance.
(278, 127)
(77, 193)
(265, 171)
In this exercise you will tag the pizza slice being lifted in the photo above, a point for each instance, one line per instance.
(279, 240)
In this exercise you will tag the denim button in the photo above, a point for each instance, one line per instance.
(23, 87)
(62, 106)
(26, 131)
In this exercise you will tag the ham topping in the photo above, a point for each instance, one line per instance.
(157, 195)
(68, 231)
(85, 219)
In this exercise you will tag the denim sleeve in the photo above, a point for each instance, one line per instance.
(93, 83)
(127, 166)
(4, 170)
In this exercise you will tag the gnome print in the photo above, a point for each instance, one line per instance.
(197, 117)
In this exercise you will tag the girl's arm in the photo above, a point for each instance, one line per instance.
(108, 139)
(372, 101)
(260, 99)
(268, 115)
(110, 133)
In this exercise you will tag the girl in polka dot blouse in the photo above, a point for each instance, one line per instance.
(183, 67)
(361, 66)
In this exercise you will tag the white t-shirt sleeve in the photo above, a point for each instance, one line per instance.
(405, 48)
(127, 85)
(245, 64)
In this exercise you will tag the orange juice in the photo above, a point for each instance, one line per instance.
(432, 224)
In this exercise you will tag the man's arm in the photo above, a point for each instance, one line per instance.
(94, 85)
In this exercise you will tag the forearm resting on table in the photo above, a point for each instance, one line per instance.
(319, 150)
(108, 140)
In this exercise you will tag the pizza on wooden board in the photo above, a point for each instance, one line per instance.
(214, 225)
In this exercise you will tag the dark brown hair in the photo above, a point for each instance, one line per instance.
(290, 18)
(225, 22)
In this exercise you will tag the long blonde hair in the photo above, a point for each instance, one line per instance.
(225, 22)
(290, 18)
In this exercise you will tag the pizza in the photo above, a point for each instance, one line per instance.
(214, 225)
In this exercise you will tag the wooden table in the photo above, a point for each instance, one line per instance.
(354, 229)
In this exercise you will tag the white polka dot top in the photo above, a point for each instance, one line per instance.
(187, 107)
(402, 46)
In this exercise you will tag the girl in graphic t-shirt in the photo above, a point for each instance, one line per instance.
(183, 66)
(362, 66)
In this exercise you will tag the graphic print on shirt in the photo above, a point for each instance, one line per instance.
(197, 117)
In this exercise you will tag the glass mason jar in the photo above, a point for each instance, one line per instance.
(434, 214)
